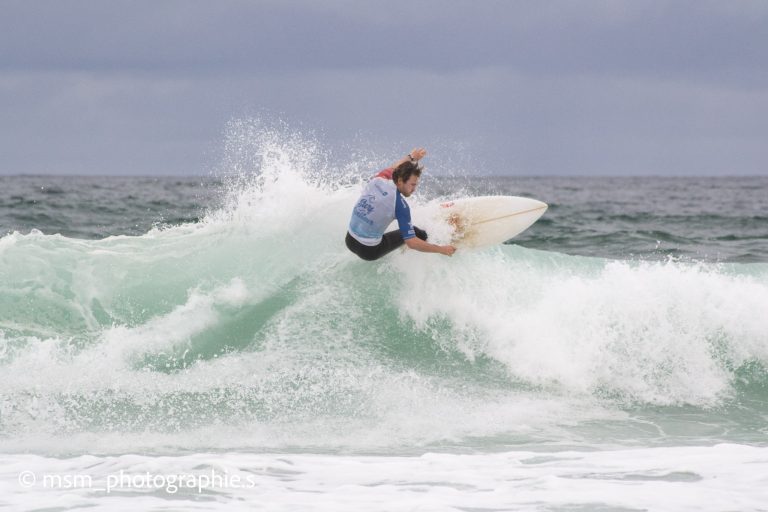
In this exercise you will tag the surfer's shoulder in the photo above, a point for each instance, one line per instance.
(385, 173)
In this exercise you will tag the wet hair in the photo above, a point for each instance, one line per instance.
(405, 170)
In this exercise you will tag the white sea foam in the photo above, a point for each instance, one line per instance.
(707, 478)
(654, 332)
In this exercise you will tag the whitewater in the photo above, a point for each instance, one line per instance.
(236, 356)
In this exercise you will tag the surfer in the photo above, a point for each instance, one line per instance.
(382, 201)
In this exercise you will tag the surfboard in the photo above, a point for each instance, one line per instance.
(489, 220)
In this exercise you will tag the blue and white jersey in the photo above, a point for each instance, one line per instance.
(377, 207)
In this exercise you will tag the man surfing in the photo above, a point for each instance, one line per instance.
(382, 201)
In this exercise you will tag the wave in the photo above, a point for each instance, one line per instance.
(257, 315)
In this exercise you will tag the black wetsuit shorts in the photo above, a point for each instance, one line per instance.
(389, 242)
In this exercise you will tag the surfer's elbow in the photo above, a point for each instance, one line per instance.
(413, 243)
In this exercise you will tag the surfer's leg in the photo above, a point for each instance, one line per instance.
(389, 242)
(363, 251)
(392, 240)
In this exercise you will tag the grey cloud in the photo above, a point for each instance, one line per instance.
(654, 38)
(523, 87)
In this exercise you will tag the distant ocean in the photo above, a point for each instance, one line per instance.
(210, 344)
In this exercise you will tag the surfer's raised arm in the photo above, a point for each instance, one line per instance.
(383, 201)
(414, 156)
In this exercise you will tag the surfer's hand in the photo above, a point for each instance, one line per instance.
(448, 250)
(418, 153)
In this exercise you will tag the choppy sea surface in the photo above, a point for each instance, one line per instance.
(210, 344)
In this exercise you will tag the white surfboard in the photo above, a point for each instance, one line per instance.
(489, 220)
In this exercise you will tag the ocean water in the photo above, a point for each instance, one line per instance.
(210, 344)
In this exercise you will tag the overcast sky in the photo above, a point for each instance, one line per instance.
(509, 87)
